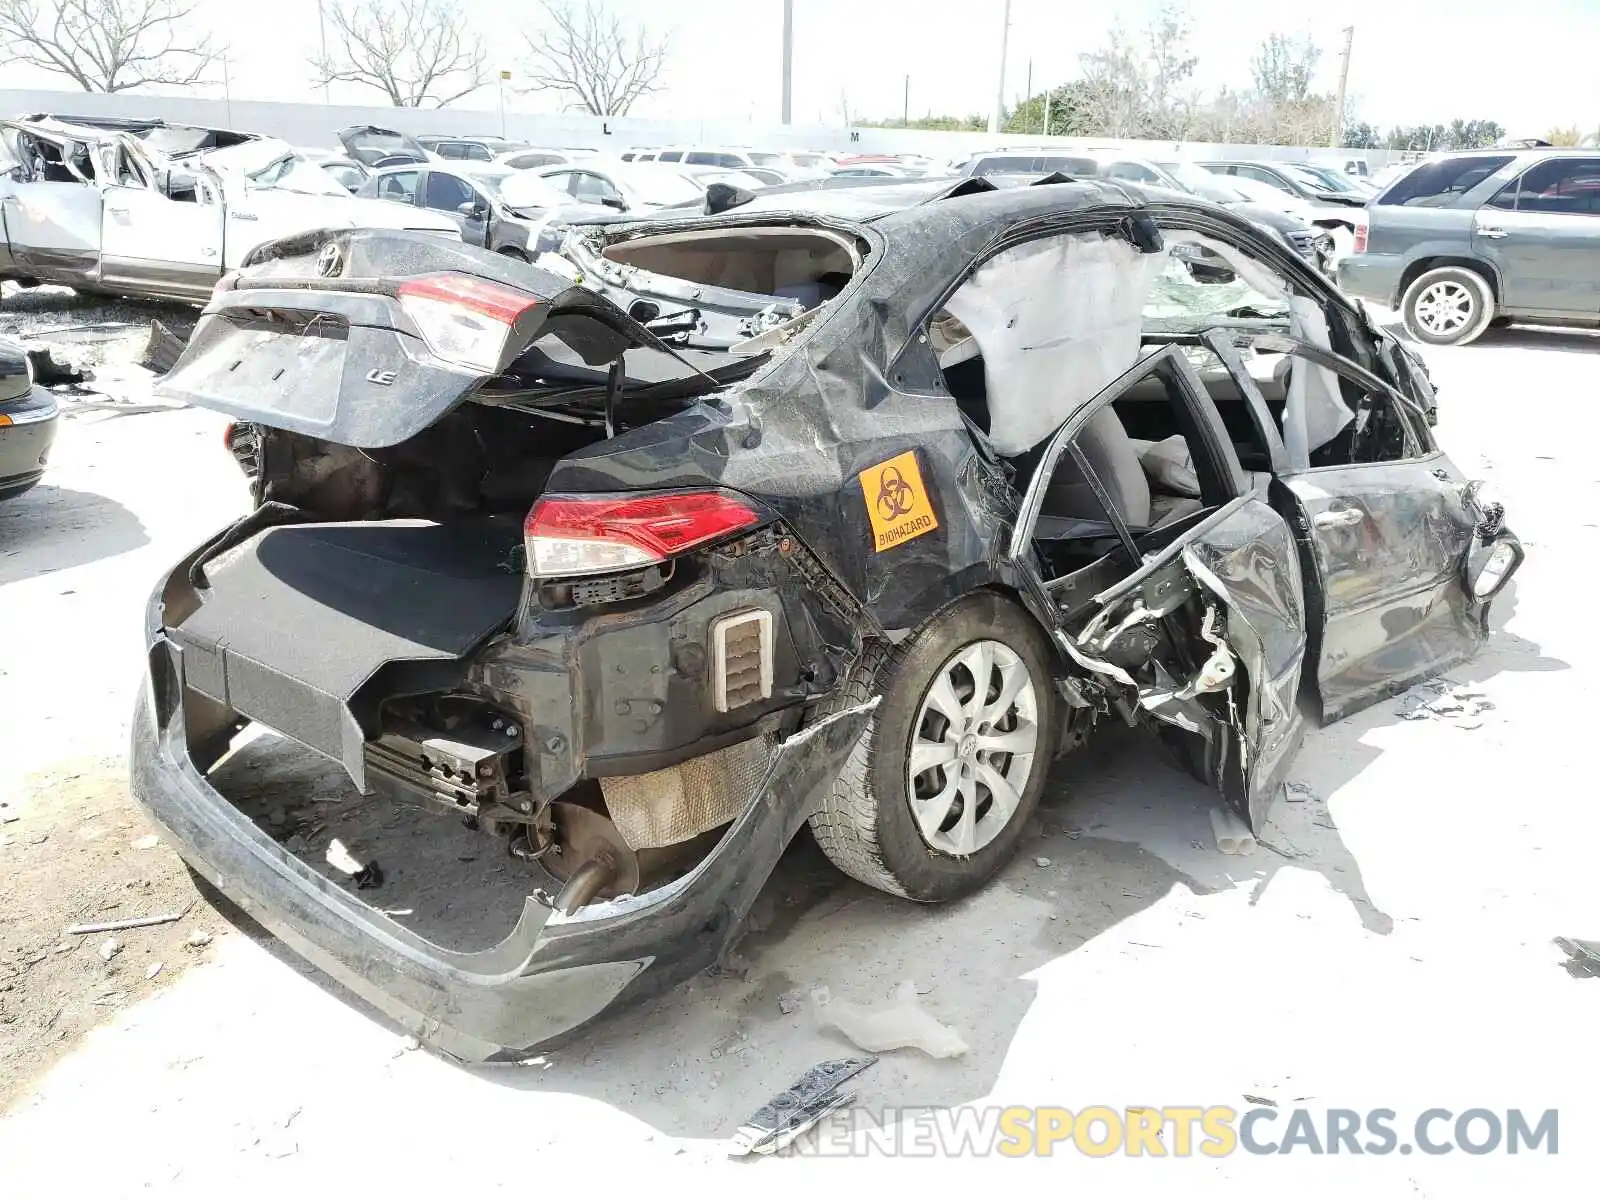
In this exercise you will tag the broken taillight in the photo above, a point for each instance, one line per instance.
(586, 535)
(1361, 237)
(464, 320)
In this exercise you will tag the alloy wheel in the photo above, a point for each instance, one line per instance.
(1445, 308)
(972, 748)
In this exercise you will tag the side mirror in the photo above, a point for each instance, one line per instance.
(616, 202)
(471, 211)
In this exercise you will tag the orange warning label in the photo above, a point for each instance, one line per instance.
(897, 501)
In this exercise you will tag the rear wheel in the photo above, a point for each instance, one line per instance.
(937, 793)
(1448, 306)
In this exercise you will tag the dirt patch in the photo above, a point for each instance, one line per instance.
(74, 849)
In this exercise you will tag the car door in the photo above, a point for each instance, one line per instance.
(1384, 520)
(1387, 542)
(1225, 594)
(1541, 233)
(52, 224)
(153, 244)
(449, 194)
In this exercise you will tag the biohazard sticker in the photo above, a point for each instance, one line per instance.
(897, 501)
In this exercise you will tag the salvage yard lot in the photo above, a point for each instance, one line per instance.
(1391, 948)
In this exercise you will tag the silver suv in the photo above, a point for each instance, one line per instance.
(1467, 240)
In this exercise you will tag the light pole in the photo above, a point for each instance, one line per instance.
(1000, 84)
(788, 58)
(1336, 135)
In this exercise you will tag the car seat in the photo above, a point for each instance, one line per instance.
(1071, 509)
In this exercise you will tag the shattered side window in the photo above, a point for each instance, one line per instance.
(1198, 290)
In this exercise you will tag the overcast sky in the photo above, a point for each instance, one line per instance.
(1529, 65)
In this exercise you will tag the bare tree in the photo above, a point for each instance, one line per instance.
(417, 52)
(106, 45)
(586, 53)
(1113, 88)
(1169, 63)
(1284, 68)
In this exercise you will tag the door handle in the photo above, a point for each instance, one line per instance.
(117, 212)
(1441, 475)
(244, 216)
(1336, 518)
(1492, 233)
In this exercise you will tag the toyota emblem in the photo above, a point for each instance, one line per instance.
(330, 261)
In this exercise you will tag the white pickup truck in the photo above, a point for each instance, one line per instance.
(104, 210)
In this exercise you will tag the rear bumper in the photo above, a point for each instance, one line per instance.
(1374, 277)
(553, 973)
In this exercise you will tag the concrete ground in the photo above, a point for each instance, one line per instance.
(1394, 951)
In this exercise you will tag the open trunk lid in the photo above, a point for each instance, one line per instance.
(367, 337)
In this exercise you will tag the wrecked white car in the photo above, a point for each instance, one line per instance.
(853, 507)
(103, 210)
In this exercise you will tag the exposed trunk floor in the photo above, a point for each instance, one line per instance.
(457, 887)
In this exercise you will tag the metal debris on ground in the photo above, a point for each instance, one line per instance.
(163, 350)
(902, 1024)
(1298, 793)
(47, 372)
(781, 1120)
(152, 970)
(1445, 700)
(128, 923)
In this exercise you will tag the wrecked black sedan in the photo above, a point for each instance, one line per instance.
(851, 508)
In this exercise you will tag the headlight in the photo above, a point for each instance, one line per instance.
(1488, 567)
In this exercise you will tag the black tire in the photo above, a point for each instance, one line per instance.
(865, 824)
(513, 252)
(1471, 290)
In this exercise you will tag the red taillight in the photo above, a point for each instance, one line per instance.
(464, 320)
(227, 435)
(586, 535)
(1361, 237)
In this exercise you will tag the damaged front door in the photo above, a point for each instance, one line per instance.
(1189, 617)
(159, 243)
(1388, 537)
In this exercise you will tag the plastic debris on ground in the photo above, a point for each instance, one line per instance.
(362, 874)
(901, 1024)
(1443, 700)
(1583, 957)
(778, 1122)
(1233, 835)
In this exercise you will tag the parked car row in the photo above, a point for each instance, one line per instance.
(161, 211)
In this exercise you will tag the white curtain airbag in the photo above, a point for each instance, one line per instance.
(1058, 319)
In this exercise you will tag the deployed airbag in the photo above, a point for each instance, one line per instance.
(1057, 319)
